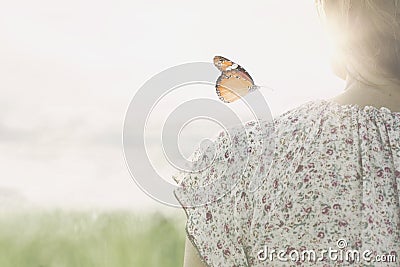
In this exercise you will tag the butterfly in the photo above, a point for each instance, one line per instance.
(234, 82)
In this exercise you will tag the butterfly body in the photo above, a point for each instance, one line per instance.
(234, 82)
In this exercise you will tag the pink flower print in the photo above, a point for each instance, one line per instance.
(325, 210)
(227, 154)
(208, 216)
(226, 227)
(307, 210)
(300, 168)
(349, 141)
(264, 199)
(227, 252)
(275, 183)
(267, 207)
(388, 170)
(289, 156)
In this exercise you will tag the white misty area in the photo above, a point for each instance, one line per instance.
(68, 70)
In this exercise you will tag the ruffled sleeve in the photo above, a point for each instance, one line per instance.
(215, 194)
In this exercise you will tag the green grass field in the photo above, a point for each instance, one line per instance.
(85, 239)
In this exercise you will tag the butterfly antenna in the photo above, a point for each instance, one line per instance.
(256, 87)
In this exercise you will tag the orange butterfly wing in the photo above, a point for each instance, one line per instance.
(234, 82)
(223, 64)
(232, 85)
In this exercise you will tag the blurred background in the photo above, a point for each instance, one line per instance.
(68, 71)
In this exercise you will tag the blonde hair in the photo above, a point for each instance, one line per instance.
(367, 34)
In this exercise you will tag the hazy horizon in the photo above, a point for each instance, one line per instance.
(69, 69)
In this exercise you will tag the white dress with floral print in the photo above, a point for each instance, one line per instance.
(334, 185)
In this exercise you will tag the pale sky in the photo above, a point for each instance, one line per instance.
(69, 69)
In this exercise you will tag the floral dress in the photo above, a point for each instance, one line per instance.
(329, 193)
